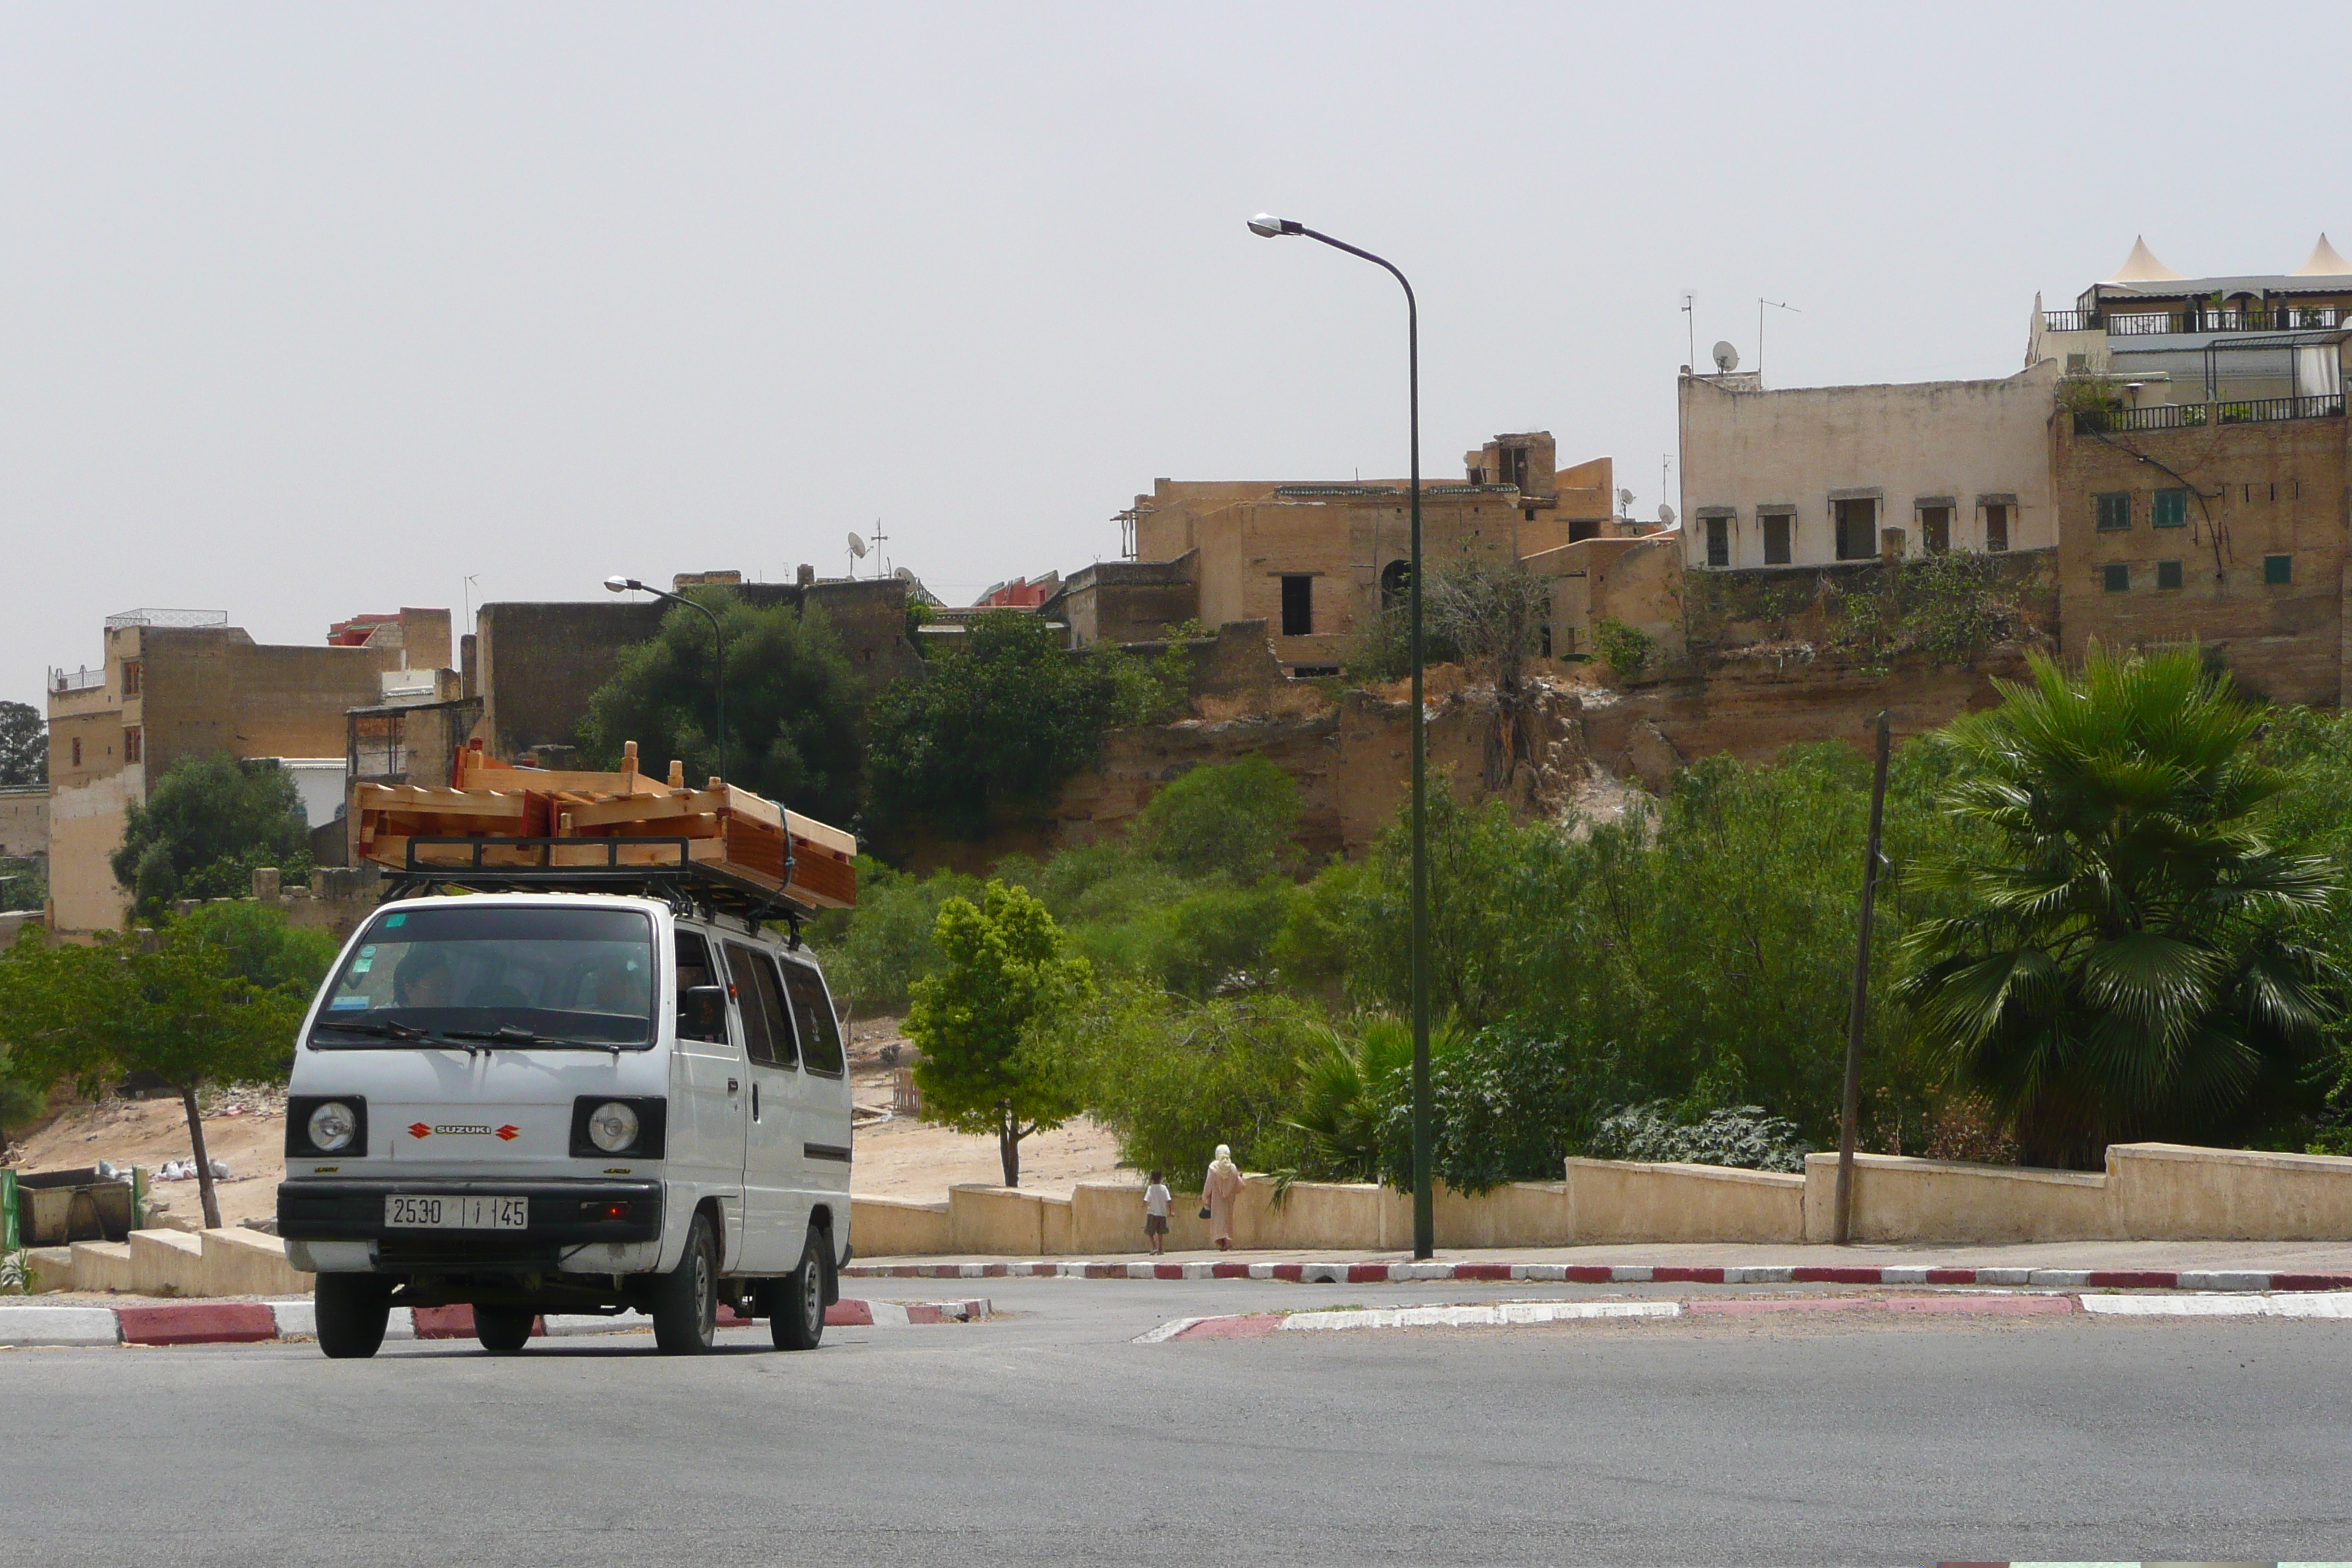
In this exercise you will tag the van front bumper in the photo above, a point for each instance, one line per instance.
(566, 1218)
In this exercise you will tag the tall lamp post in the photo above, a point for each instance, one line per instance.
(718, 642)
(1425, 1205)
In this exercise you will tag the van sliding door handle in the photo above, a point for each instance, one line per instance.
(755, 1100)
(731, 1086)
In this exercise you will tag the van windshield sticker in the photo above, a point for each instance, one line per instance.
(392, 923)
(368, 951)
(342, 1004)
(362, 965)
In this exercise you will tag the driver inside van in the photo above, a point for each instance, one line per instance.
(424, 979)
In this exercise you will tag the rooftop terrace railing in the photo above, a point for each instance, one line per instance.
(166, 618)
(2157, 323)
(62, 681)
(2196, 415)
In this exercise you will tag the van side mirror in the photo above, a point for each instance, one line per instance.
(702, 1013)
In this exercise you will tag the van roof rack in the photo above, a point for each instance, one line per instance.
(689, 886)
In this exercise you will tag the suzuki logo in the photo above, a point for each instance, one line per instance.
(418, 1130)
(509, 1132)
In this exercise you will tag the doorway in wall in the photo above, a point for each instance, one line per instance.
(1857, 529)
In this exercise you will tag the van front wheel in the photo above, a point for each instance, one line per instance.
(796, 1316)
(686, 1300)
(350, 1312)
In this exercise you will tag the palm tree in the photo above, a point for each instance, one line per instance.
(2126, 964)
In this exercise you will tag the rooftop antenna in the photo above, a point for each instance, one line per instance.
(858, 549)
(1778, 305)
(472, 581)
(1689, 325)
(878, 537)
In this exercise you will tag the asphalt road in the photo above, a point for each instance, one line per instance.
(1046, 1436)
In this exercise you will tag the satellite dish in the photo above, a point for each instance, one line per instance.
(1666, 515)
(856, 546)
(904, 573)
(1625, 498)
(1726, 358)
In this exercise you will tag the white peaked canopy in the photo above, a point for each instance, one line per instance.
(2324, 263)
(2142, 267)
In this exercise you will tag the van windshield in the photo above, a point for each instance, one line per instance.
(497, 977)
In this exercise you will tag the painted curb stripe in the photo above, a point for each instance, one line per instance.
(1621, 1274)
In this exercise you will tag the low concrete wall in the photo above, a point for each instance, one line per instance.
(892, 1227)
(101, 1266)
(2171, 1192)
(1896, 1198)
(164, 1262)
(1005, 1221)
(1616, 1200)
(240, 1262)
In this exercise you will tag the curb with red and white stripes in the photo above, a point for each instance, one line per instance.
(255, 1322)
(1517, 1314)
(1618, 1274)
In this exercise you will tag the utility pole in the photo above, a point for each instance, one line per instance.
(1851, 1111)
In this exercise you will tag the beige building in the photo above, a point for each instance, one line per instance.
(1313, 561)
(180, 683)
(1805, 476)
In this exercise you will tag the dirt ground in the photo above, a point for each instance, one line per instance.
(896, 1156)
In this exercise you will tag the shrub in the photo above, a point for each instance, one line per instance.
(1235, 818)
(1626, 650)
(1743, 1136)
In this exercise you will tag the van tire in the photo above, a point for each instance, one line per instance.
(504, 1329)
(686, 1300)
(350, 1312)
(796, 1314)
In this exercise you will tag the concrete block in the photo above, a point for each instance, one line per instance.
(166, 1263)
(48, 1269)
(246, 1263)
(102, 1265)
(58, 1326)
(198, 1323)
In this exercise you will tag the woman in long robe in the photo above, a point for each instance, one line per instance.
(1219, 1190)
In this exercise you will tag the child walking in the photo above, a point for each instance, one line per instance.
(1155, 1214)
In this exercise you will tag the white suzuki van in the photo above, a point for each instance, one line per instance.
(568, 1101)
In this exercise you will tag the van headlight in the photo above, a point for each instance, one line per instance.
(331, 1126)
(613, 1127)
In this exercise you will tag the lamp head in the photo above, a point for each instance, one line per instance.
(620, 584)
(1266, 226)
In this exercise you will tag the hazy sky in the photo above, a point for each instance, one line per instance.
(307, 310)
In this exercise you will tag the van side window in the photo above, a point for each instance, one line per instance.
(813, 1011)
(767, 1031)
(693, 969)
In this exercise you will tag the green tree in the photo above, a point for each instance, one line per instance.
(181, 1004)
(1239, 820)
(24, 884)
(24, 746)
(206, 825)
(1007, 973)
(996, 725)
(1346, 1082)
(874, 952)
(793, 708)
(2130, 959)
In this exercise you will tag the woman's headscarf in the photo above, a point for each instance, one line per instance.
(1225, 1154)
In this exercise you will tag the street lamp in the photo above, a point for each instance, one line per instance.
(1424, 1207)
(718, 641)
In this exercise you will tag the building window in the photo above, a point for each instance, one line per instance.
(1718, 542)
(2114, 510)
(130, 744)
(1857, 529)
(1583, 529)
(1396, 583)
(131, 668)
(1936, 529)
(2278, 569)
(1777, 526)
(2117, 577)
(1299, 606)
(76, 750)
(1996, 528)
(2171, 510)
(2167, 574)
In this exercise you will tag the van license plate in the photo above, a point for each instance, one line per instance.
(457, 1213)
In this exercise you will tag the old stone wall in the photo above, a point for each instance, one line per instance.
(2250, 561)
(25, 820)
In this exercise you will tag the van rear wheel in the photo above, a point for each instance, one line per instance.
(503, 1329)
(796, 1315)
(686, 1300)
(350, 1312)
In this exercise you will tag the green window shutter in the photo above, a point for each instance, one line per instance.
(2167, 574)
(2278, 569)
(2114, 510)
(2117, 577)
(2171, 510)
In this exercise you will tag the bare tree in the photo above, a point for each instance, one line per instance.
(1496, 612)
